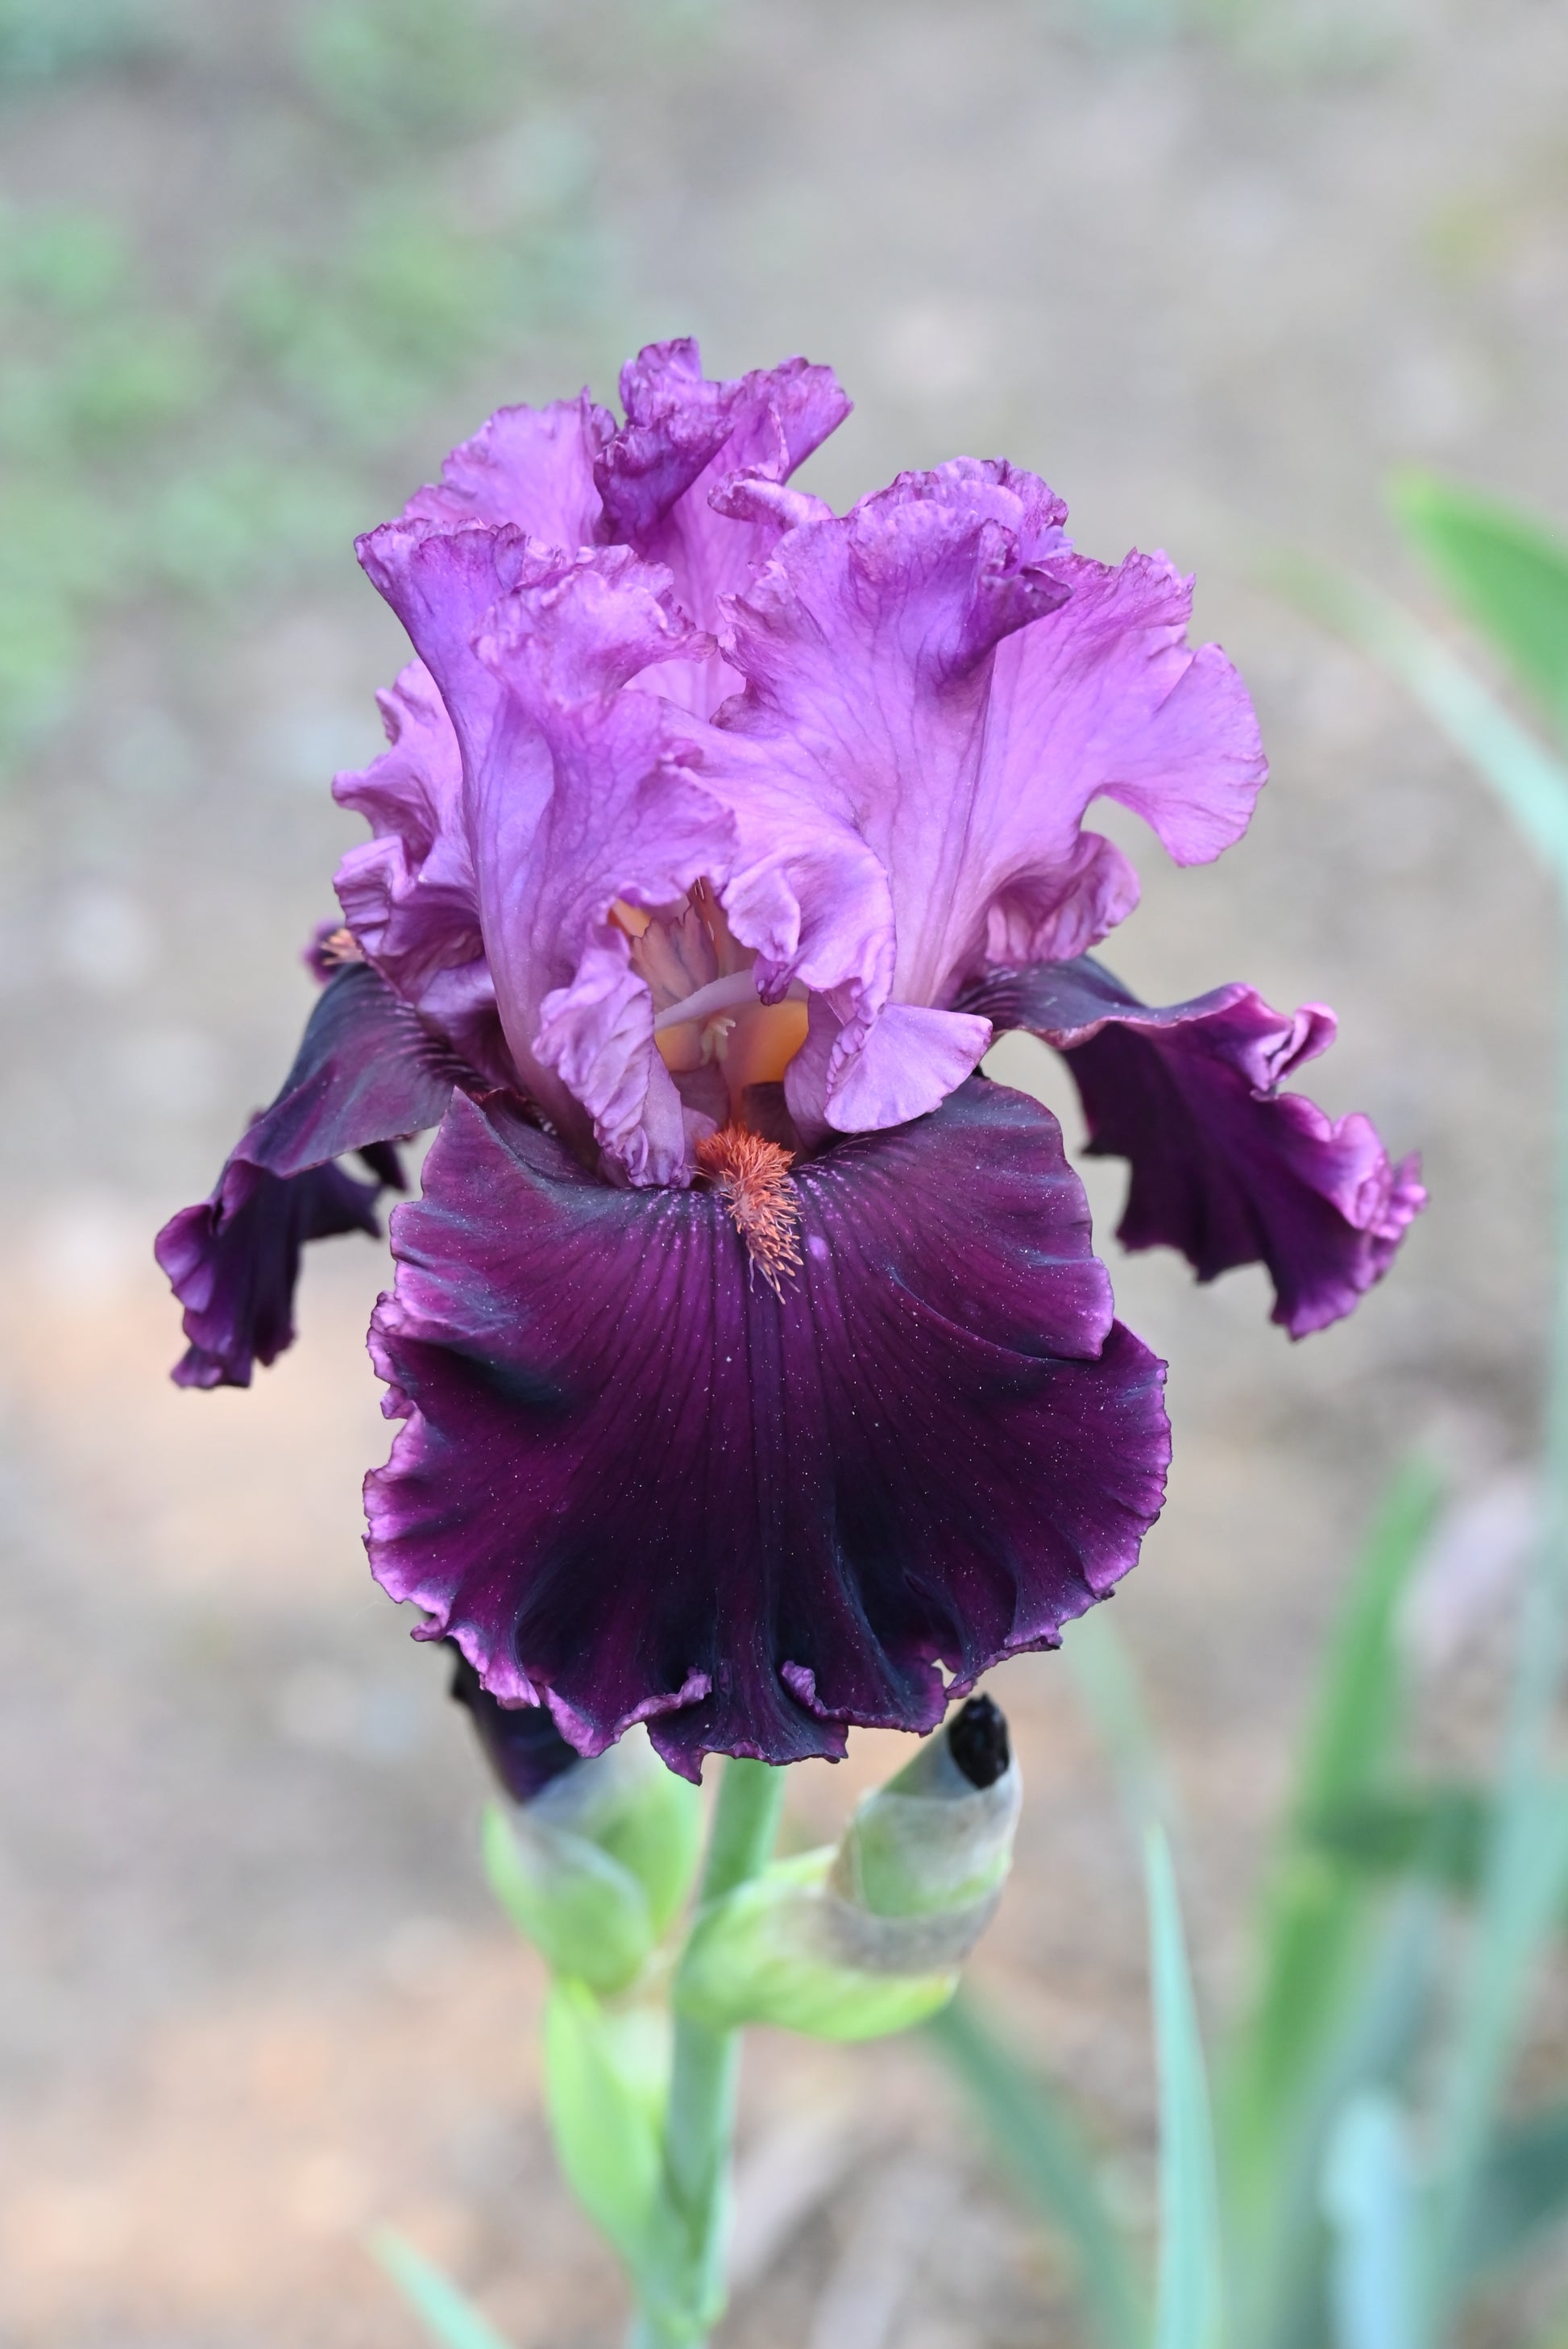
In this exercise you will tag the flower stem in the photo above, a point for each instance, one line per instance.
(701, 2120)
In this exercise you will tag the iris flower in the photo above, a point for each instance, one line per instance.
(756, 1372)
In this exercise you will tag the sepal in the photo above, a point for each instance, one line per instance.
(607, 2078)
(595, 1868)
(771, 1953)
(936, 1841)
(868, 1937)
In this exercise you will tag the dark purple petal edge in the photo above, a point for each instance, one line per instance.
(520, 1743)
(635, 1484)
(366, 1073)
(1224, 1167)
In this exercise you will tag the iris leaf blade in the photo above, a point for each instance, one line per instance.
(1528, 782)
(1437, 1833)
(1507, 572)
(1369, 2198)
(447, 2315)
(1521, 2191)
(1314, 1909)
(1041, 2149)
(1187, 2291)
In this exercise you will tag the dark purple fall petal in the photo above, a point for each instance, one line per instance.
(1224, 1167)
(366, 1070)
(233, 1261)
(366, 1073)
(635, 1484)
(520, 1742)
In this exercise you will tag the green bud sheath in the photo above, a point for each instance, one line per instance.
(868, 1939)
(595, 1867)
(585, 1914)
(637, 1812)
(923, 1863)
(768, 1953)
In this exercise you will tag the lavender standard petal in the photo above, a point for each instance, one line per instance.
(1224, 1167)
(531, 466)
(636, 1485)
(937, 689)
(684, 435)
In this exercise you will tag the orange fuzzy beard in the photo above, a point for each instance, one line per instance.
(751, 1176)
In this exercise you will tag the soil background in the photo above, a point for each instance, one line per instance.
(1214, 277)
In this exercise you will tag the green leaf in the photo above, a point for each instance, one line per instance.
(607, 2078)
(1508, 573)
(1531, 785)
(1041, 2149)
(1522, 2189)
(1521, 1891)
(1435, 1832)
(1187, 2295)
(1108, 1683)
(1313, 1911)
(1280, 2284)
(448, 2316)
(1368, 2195)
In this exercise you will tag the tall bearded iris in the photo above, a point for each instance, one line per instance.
(756, 1372)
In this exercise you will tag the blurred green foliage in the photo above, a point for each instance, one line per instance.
(393, 69)
(1506, 571)
(228, 439)
(43, 40)
(1374, 2180)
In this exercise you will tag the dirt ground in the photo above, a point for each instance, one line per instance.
(1214, 281)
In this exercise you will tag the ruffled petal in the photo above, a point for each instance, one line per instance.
(531, 466)
(636, 1484)
(858, 1077)
(854, 761)
(1224, 1167)
(1107, 699)
(443, 582)
(409, 896)
(520, 1742)
(367, 1073)
(683, 434)
(578, 800)
(368, 1070)
(573, 796)
(233, 1261)
(937, 689)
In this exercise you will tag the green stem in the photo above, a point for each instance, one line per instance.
(701, 2120)
(1529, 1848)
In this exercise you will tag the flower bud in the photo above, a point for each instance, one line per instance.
(852, 1943)
(922, 1864)
(591, 1859)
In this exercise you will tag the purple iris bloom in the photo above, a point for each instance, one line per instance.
(757, 1375)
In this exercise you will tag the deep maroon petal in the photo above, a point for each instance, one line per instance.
(234, 1259)
(366, 1073)
(1224, 1167)
(520, 1742)
(636, 1484)
(366, 1070)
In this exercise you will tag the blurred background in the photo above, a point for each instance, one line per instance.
(1214, 269)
